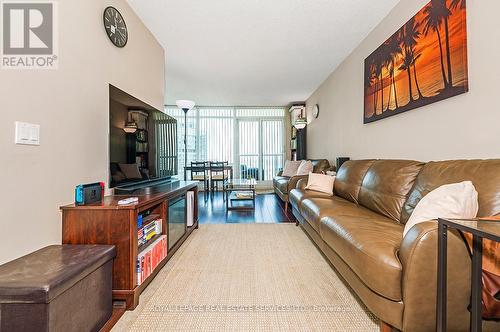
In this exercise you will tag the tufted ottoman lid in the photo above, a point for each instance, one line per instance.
(41, 276)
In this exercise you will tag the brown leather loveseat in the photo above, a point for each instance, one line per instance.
(283, 184)
(360, 230)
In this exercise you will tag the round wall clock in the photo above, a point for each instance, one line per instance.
(115, 26)
(316, 111)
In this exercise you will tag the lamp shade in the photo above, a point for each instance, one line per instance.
(130, 127)
(300, 123)
(185, 105)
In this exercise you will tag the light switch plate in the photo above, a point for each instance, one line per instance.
(27, 133)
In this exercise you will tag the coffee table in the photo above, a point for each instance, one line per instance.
(240, 190)
(480, 229)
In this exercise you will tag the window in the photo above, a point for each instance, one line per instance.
(249, 138)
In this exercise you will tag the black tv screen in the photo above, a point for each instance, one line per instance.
(142, 141)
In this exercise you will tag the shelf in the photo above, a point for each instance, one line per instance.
(145, 245)
(152, 217)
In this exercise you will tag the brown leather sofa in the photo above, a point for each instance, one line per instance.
(283, 184)
(360, 231)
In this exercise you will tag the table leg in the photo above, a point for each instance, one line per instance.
(226, 192)
(253, 201)
(442, 271)
(477, 284)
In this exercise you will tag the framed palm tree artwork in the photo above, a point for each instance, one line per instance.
(425, 61)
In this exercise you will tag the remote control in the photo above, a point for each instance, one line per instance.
(127, 201)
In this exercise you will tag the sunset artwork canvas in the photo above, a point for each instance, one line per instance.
(425, 61)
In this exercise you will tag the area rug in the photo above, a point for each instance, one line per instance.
(248, 277)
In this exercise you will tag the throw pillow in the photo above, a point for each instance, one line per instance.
(118, 177)
(456, 200)
(305, 167)
(320, 182)
(131, 171)
(291, 168)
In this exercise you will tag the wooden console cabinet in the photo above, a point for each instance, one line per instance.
(110, 223)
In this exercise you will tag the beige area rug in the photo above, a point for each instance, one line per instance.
(248, 277)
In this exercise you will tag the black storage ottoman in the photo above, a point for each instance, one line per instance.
(58, 288)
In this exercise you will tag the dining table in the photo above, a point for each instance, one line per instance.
(228, 168)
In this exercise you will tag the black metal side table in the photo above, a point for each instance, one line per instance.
(480, 229)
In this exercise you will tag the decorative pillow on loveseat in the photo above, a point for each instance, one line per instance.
(306, 167)
(456, 200)
(291, 168)
(320, 182)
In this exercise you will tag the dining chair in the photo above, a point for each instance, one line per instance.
(199, 173)
(218, 174)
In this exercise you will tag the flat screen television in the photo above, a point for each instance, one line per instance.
(142, 141)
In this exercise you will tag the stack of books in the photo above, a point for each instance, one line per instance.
(147, 231)
(150, 258)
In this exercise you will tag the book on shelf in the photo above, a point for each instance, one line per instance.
(148, 231)
(149, 259)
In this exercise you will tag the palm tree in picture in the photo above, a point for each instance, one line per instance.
(433, 20)
(457, 4)
(406, 66)
(370, 80)
(445, 14)
(410, 40)
(378, 72)
(386, 57)
(373, 79)
(394, 49)
(416, 56)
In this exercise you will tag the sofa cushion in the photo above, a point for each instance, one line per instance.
(484, 174)
(313, 209)
(296, 196)
(369, 245)
(281, 183)
(349, 178)
(386, 185)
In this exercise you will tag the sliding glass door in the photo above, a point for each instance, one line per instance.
(249, 149)
(273, 147)
(260, 148)
(249, 138)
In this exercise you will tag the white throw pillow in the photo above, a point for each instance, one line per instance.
(320, 182)
(305, 167)
(456, 200)
(290, 168)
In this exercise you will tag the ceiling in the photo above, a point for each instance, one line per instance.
(255, 52)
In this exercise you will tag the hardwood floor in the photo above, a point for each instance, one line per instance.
(268, 209)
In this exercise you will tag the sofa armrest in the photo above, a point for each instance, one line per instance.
(292, 183)
(418, 255)
(301, 184)
(280, 173)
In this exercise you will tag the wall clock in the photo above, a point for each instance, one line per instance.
(115, 26)
(316, 111)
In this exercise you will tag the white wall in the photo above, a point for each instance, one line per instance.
(71, 105)
(466, 126)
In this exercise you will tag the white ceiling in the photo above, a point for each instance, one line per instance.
(255, 52)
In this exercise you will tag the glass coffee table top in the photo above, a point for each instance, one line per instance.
(487, 227)
(249, 183)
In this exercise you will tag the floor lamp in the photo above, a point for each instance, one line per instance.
(185, 106)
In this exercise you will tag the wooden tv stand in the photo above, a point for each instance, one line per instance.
(109, 223)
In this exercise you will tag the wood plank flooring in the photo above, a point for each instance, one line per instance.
(268, 209)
